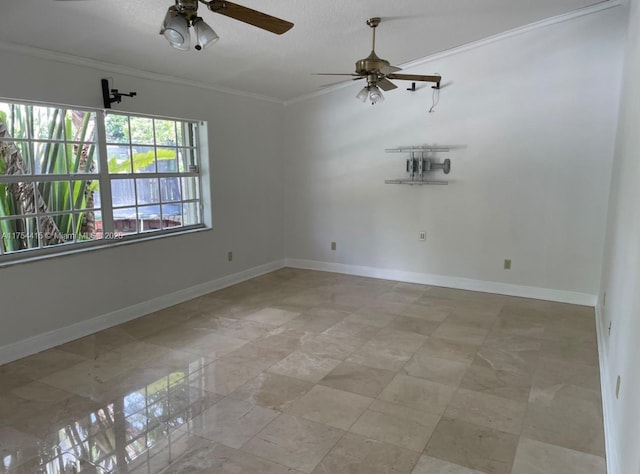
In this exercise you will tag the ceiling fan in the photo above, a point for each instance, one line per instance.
(184, 14)
(378, 71)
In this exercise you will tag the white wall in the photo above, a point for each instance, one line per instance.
(245, 143)
(532, 120)
(620, 350)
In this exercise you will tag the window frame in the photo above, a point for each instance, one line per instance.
(105, 178)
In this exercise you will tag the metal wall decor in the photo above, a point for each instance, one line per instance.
(418, 166)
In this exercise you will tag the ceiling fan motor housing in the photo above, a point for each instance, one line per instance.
(371, 64)
(188, 8)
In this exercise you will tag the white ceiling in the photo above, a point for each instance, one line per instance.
(328, 36)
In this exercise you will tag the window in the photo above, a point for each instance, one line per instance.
(75, 177)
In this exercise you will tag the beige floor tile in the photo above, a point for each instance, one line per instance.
(476, 319)
(572, 418)
(39, 365)
(390, 349)
(330, 406)
(11, 380)
(403, 412)
(444, 371)
(245, 463)
(511, 321)
(380, 355)
(444, 349)
(39, 392)
(194, 454)
(400, 432)
(358, 379)
(505, 358)
(355, 454)
(405, 297)
(513, 385)
(461, 333)
(272, 391)
(356, 332)
(96, 344)
(283, 339)
(332, 347)
(294, 442)
(201, 455)
(371, 317)
(142, 355)
(223, 377)
(12, 441)
(41, 423)
(317, 319)
(386, 306)
(428, 465)
(90, 379)
(473, 446)
(255, 356)
(418, 393)
(572, 350)
(413, 325)
(534, 457)
(235, 328)
(272, 316)
(553, 375)
(426, 312)
(197, 341)
(487, 410)
(303, 366)
(230, 422)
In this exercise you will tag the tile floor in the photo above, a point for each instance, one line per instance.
(311, 372)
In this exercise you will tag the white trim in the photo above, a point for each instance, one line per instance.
(547, 294)
(41, 342)
(610, 440)
(604, 5)
(57, 56)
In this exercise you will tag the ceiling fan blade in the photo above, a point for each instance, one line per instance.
(389, 69)
(252, 17)
(335, 74)
(386, 85)
(414, 77)
(339, 82)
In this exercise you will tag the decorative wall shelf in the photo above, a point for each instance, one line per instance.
(418, 165)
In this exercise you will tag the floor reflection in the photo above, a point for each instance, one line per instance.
(128, 435)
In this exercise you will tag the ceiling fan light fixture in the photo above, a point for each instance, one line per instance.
(175, 29)
(205, 35)
(375, 95)
(363, 95)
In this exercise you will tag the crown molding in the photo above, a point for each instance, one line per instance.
(598, 7)
(125, 70)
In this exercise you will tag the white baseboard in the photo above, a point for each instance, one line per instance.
(41, 342)
(547, 294)
(608, 396)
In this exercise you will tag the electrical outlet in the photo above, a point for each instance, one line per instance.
(333, 246)
(618, 387)
(230, 256)
(422, 235)
(507, 264)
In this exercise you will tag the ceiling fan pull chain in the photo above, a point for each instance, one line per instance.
(435, 99)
